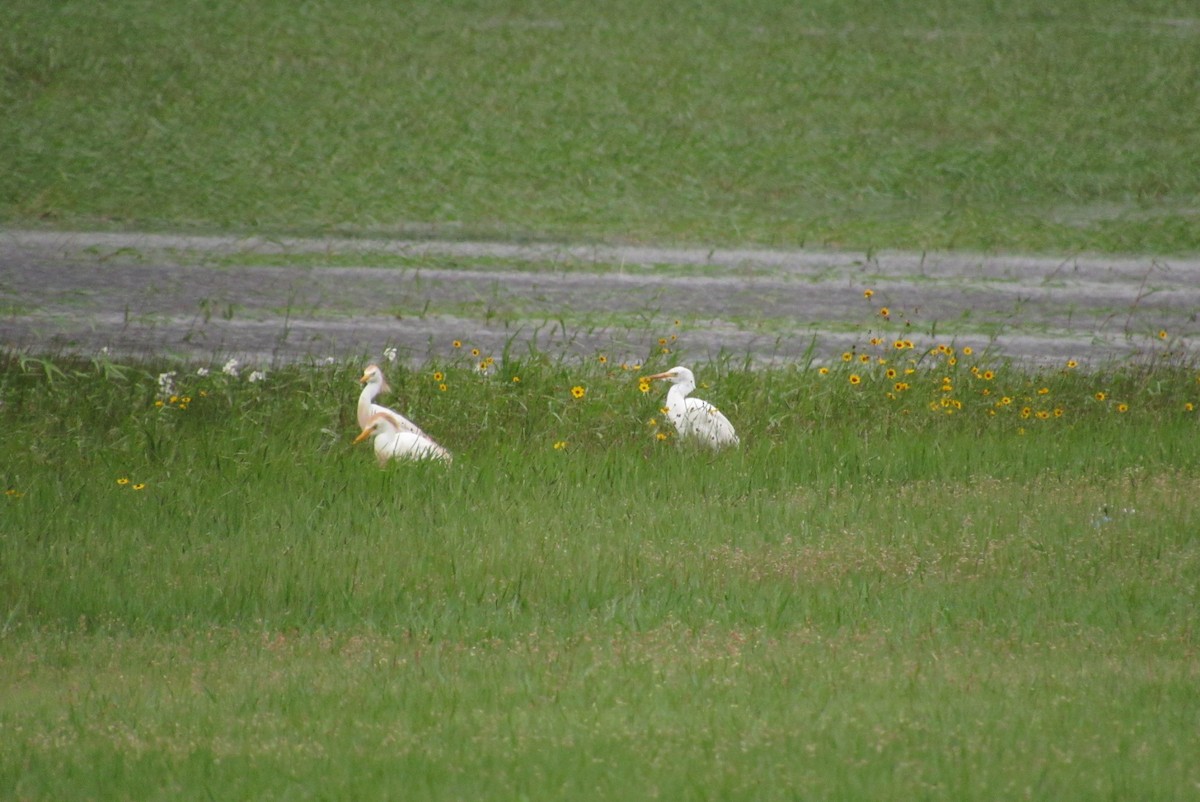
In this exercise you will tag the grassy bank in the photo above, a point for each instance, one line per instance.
(892, 589)
(924, 126)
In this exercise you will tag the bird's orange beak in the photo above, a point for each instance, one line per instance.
(364, 379)
(363, 435)
(667, 375)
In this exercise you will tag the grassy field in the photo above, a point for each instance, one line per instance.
(961, 581)
(929, 125)
(921, 576)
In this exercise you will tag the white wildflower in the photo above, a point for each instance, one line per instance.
(166, 384)
(389, 353)
(201, 372)
(231, 368)
(256, 376)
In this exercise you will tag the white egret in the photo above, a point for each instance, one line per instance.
(392, 441)
(694, 417)
(374, 384)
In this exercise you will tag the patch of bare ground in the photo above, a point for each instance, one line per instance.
(186, 297)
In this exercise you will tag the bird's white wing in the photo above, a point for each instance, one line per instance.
(408, 439)
(407, 445)
(701, 419)
(402, 423)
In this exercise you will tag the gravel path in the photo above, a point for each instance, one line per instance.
(145, 295)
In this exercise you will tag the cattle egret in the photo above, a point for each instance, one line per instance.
(392, 441)
(693, 417)
(374, 384)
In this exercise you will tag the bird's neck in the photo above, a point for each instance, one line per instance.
(678, 392)
(676, 399)
(365, 399)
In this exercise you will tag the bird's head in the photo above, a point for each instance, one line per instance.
(676, 375)
(379, 423)
(374, 375)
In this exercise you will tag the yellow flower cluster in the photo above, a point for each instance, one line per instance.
(176, 401)
(952, 386)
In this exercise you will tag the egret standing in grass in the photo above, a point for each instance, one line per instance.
(392, 441)
(368, 414)
(694, 417)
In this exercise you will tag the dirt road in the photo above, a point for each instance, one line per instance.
(205, 298)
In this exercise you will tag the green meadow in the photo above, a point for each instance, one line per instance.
(961, 581)
(923, 575)
(1018, 126)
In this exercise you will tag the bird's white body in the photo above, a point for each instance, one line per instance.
(394, 442)
(695, 418)
(374, 384)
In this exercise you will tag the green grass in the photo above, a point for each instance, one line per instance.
(931, 125)
(936, 595)
(967, 581)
